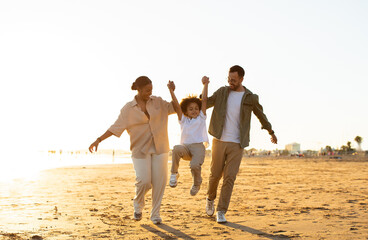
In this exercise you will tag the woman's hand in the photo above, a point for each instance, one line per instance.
(94, 146)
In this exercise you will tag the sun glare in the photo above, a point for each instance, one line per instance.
(20, 166)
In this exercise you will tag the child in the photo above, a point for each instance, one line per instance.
(192, 118)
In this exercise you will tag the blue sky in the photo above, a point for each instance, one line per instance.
(67, 66)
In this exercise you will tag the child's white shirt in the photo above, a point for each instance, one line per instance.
(193, 130)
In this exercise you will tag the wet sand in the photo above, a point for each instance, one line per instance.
(273, 198)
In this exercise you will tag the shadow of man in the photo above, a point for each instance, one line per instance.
(256, 232)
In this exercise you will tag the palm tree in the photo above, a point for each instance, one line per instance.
(328, 148)
(359, 140)
(349, 146)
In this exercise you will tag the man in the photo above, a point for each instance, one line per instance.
(230, 125)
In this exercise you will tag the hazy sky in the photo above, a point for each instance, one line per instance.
(66, 67)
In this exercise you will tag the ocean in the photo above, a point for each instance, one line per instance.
(27, 165)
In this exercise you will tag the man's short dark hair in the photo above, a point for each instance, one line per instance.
(186, 101)
(238, 69)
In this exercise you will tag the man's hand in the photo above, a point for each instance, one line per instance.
(273, 138)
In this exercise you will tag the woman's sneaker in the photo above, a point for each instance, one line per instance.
(174, 179)
(137, 216)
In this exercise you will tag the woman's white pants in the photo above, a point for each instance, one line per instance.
(150, 172)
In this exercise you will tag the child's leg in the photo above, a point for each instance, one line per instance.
(178, 152)
(198, 152)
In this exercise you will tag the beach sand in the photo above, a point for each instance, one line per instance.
(273, 198)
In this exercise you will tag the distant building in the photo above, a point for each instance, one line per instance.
(293, 148)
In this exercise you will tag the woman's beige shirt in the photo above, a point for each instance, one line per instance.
(146, 135)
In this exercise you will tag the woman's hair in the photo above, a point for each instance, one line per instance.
(141, 82)
(190, 99)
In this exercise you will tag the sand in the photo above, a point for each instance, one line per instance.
(274, 198)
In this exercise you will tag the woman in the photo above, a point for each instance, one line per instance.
(145, 118)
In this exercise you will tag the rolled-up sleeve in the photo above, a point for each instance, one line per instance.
(121, 123)
(170, 108)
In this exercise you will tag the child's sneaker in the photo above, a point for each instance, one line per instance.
(194, 190)
(174, 179)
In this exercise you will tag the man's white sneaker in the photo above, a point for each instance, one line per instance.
(221, 217)
(194, 190)
(210, 207)
(174, 179)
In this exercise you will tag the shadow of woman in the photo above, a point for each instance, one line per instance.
(168, 229)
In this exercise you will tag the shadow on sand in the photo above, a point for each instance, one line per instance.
(180, 234)
(168, 229)
(256, 232)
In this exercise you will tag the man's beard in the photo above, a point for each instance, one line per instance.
(234, 87)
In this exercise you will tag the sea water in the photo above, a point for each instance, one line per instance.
(28, 164)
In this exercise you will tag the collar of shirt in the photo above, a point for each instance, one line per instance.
(134, 102)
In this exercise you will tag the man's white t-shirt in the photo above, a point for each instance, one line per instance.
(231, 130)
(193, 130)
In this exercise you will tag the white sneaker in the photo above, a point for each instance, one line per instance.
(174, 179)
(221, 217)
(210, 207)
(194, 190)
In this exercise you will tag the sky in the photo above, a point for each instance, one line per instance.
(66, 67)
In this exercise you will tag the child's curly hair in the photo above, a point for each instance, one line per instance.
(188, 100)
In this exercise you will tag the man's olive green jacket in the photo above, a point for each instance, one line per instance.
(249, 104)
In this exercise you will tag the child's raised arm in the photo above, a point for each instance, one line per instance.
(205, 81)
(176, 105)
